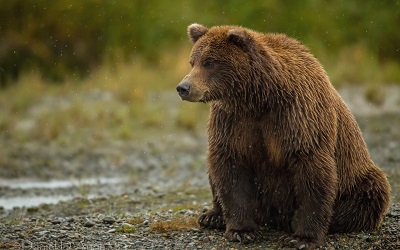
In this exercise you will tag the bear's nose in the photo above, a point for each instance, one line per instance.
(183, 89)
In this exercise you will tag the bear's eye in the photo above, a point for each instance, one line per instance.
(191, 63)
(208, 64)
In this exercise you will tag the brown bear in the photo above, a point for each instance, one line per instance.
(284, 151)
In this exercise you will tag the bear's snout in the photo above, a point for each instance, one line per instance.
(183, 89)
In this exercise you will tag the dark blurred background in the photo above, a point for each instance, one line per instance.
(69, 39)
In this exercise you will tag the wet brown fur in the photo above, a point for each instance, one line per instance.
(284, 150)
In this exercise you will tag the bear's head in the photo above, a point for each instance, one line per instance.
(224, 66)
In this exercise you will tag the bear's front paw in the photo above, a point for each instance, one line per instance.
(298, 243)
(212, 219)
(241, 236)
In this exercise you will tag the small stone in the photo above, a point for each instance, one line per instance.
(377, 243)
(145, 222)
(41, 233)
(160, 195)
(70, 219)
(367, 238)
(27, 244)
(189, 212)
(57, 221)
(302, 246)
(88, 223)
(112, 230)
(393, 214)
(138, 243)
(108, 220)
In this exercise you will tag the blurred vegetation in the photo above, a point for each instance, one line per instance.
(66, 40)
(113, 60)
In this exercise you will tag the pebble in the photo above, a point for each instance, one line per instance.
(189, 212)
(57, 221)
(41, 233)
(394, 214)
(108, 220)
(88, 223)
(70, 219)
(27, 243)
(112, 230)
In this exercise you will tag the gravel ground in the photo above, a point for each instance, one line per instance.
(147, 195)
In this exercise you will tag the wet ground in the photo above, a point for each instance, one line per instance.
(125, 194)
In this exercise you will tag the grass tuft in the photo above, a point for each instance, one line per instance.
(182, 222)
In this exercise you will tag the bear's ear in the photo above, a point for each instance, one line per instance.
(195, 31)
(240, 38)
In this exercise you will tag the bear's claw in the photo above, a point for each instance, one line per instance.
(241, 236)
(298, 243)
(211, 219)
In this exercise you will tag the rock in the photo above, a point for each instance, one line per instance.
(41, 233)
(112, 230)
(57, 221)
(70, 219)
(393, 214)
(189, 212)
(27, 244)
(108, 220)
(88, 223)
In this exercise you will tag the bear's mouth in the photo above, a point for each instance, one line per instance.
(195, 95)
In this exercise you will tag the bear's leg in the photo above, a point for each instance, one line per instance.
(213, 218)
(363, 208)
(315, 181)
(237, 195)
